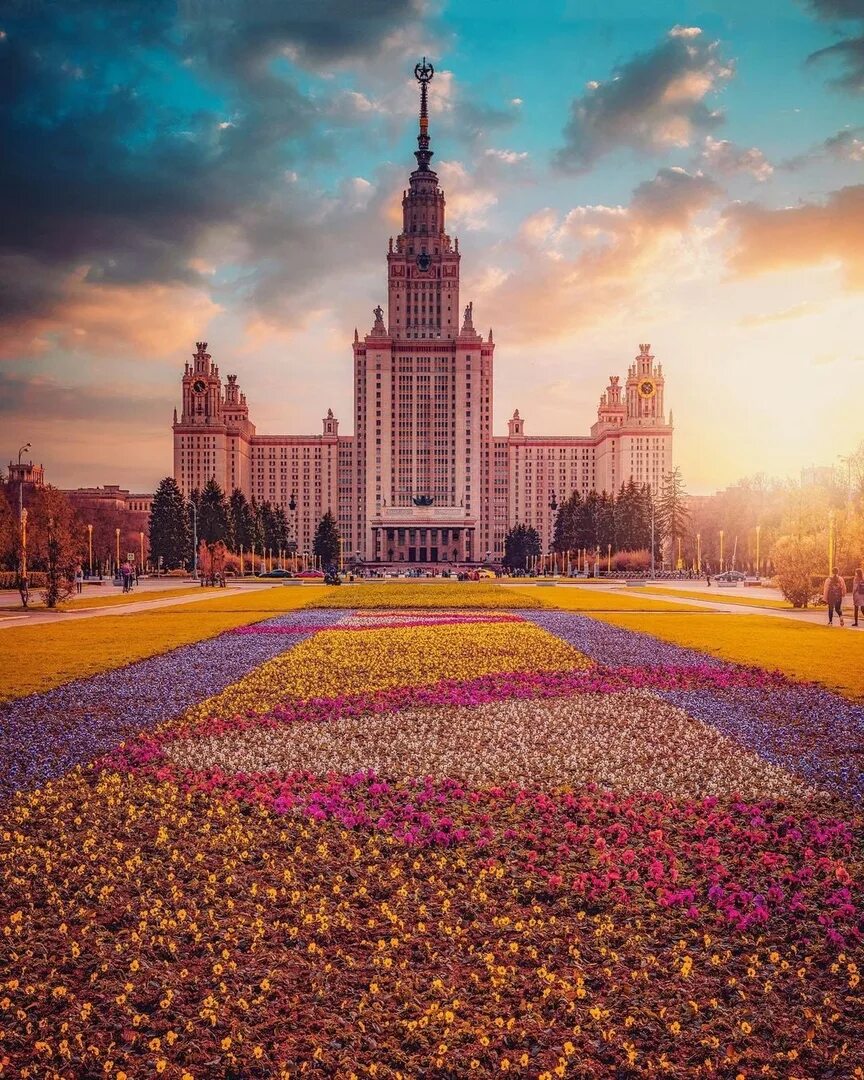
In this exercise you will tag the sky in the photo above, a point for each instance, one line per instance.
(685, 174)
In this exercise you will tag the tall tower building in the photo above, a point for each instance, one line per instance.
(422, 479)
(423, 391)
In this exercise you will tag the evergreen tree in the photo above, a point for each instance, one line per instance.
(240, 517)
(671, 509)
(256, 540)
(213, 523)
(521, 542)
(267, 519)
(643, 536)
(169, 525)
(567, 523)
(628, 518)
(326, 543)
(587, 532)
(606, 522)
(280, 527)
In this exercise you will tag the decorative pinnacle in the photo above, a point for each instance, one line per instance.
(423, 74)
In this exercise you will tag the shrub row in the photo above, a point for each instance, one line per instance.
(9, 579)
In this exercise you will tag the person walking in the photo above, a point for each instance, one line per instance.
(857, 593)
(79, 579)
(833, 592)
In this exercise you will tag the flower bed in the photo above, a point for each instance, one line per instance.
(428, 594)
(540, 846)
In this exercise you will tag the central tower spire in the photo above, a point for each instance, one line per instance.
(423, 74)
(423, 267)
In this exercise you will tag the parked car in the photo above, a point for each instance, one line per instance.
(277, 573)
(730, 575)
(310, 574)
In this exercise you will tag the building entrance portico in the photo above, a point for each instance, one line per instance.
(424, 534)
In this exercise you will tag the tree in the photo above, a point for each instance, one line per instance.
(9, 530)
(606, 522)
(566, 523)
(628, 518)
(521, 542)
(241, 520)
(213, 524)
(586, 533)
(672, 513)
(326, 543)
(169, 525)
(267, 525)
(796, 561)
(55, 542)
(280, 529)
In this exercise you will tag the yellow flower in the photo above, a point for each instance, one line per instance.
(745, 1027)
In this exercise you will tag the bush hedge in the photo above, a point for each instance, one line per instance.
(9, 579)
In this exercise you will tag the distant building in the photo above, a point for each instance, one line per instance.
(30, 475)
(112, 497)
(422, 479)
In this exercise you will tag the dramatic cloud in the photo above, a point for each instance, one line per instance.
(807, 235)
(111, 185)
(727, 159)
(849, 51)
(597, 261)
(654, 102)
(91, 318)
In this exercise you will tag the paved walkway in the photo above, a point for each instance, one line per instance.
(810, 615)
(12, 617)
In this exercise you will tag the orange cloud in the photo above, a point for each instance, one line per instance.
(596, 261)
(153, 320)
(806, 235)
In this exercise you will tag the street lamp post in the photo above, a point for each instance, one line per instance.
(141, 539)
(22, 520)
(698, 553)
(117, 543)
(722, 566)
(90, 551)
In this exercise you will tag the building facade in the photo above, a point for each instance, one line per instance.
(422, 479)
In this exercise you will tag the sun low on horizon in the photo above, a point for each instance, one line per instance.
(615, 176)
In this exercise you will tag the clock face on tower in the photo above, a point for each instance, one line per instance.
(199, 386)
(424, 261)
(647, 388)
